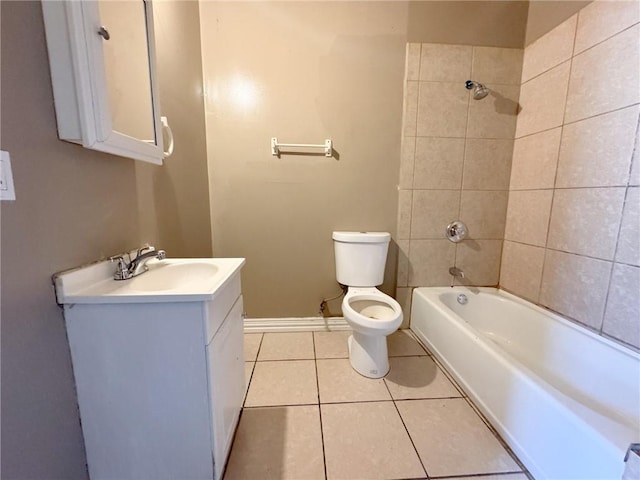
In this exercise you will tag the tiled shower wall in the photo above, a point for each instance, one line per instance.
(456, 162)
(571, 239)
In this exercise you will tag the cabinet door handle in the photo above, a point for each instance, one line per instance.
(104, 33)
(165, 125)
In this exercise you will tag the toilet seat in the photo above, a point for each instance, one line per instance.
(378, 313)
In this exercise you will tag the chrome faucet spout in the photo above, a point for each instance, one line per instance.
(126, 270)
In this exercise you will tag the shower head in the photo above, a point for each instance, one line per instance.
(479, 90)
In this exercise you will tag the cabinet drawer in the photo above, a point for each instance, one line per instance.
(218, 308)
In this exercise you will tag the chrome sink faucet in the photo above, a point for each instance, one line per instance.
(126, 270)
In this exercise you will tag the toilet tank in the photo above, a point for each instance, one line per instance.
(361, 257)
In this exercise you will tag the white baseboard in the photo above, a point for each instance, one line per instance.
(304, 324)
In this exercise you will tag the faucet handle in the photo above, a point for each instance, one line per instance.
(146, 246)
(122, 270)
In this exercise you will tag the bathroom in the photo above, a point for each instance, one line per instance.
(233, 75)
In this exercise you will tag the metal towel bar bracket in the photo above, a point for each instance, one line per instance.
(327, 146)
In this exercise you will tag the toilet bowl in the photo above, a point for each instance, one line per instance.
(360, 265)
(372, 315)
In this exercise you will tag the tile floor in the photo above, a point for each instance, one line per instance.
(308, 415)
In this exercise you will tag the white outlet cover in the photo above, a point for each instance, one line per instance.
(7, 190)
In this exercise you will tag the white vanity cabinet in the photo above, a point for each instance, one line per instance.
(160, 383)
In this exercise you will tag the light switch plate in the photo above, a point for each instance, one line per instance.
(7, 190)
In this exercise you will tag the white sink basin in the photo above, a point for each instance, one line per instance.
(169, 280)
(167, 275)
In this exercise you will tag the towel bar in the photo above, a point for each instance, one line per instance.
(327, 146)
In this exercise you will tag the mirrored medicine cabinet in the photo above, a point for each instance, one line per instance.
(102, 60)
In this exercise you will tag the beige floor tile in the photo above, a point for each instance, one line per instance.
(283, 383)
(452, 440)
(332, 344)
(277, 443)
(508, 476)
(339, 382)
(367, 441)
(286, 346)
(248, 371)
(251, 346)
(418, 377)
(402, 344)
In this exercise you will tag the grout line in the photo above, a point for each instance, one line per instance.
(255, 361)
(479, 476)
(315, 363)
(555, 177)
(573, 52)
(415, 449)
(286, 359)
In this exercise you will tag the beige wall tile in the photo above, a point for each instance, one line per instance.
(497, 65)
(387, 453)
(622, 314)
(628, 250)
(403, 296)
(484, 213)
(480, 262)
(403, 263)
(549, 50)
(404, 213)
(634, 178)
(575, 286)
(495, 115)
(432, 211)
(585, 221)
(429, 262)
(418, 377)
(596, 152)
(451, 439)
(442, 109)
(445, 63)
(603, 19)
(413, 61)
(534, 160)
(487, 164)
(339, 382)
(594, 88)
(521, 269)
(286, 440)
(528, 216)
(438, 162)
(407, 161)
(542, 101)
(410, 114)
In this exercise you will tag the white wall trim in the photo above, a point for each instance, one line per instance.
(297, 324)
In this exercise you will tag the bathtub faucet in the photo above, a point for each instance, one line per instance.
(456, 272)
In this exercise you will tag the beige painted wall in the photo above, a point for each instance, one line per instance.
(174, 198)
(74, 206)
(303, 72)
(545, 15)
(571, 238)
(480, 23)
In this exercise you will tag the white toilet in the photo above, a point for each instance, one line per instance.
(360, 262)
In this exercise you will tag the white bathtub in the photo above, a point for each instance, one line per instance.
(567, 401)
